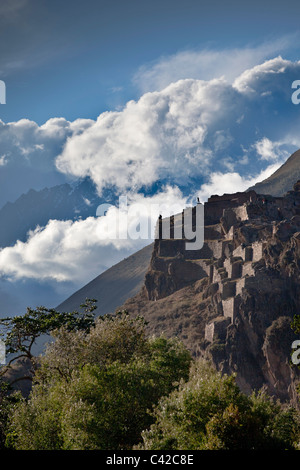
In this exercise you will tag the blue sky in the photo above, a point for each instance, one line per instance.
(134, 94)
(78, 58)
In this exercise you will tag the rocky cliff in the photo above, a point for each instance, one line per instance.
(232, 301)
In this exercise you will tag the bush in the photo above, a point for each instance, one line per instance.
(94, 390)
(209, 412)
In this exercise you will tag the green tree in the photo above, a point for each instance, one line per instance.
(210, 412)
(95, 390)
(21, 332)
(8, 400)
(108, 408)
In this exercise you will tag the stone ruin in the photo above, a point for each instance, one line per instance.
(250, 262)
(235, 229)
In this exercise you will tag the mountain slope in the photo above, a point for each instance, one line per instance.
(278, 184)
(36, 208)
(233, 300)
(283, 179)
(113, 287)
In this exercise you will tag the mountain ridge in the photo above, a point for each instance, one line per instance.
(282, 180)
(97, 288)
(233, 300)
(36, 208)
(113, 287)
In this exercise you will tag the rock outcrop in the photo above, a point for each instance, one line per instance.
(232, 301)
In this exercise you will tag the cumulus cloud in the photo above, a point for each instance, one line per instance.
(269, 150)
(28, 153)
(151, 139)
(207, 64)
(222, 183)
(188, 129)
(214, 136)
(264, 76)
(185, 131)
(39, 144)
(77, 251)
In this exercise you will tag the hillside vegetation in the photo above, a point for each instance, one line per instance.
(107, 385)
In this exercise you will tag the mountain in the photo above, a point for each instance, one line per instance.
(36, 208)
(279, 183)
(113, 287)
(232, 301)
(80, 200)
(283, 179)
(69, 201)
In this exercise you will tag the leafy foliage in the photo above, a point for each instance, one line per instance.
(210, 412)
(94, 389)
(8, 401)
(20, 332)
(104, 384)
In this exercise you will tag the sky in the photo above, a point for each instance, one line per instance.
(76, 59)
(131, 94)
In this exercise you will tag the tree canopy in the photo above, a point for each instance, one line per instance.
(96, 389)
(209, 412)
(105, 384)
(20, 332)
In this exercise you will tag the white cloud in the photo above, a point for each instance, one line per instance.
(207, 64)
(66, 251)
(78, 251)
(189, 129)
(263, 75)
(228, 183)
(208, 134)
(38, 144)
(271, 151)
(3, 160)
(28, 153)
(154, 138)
